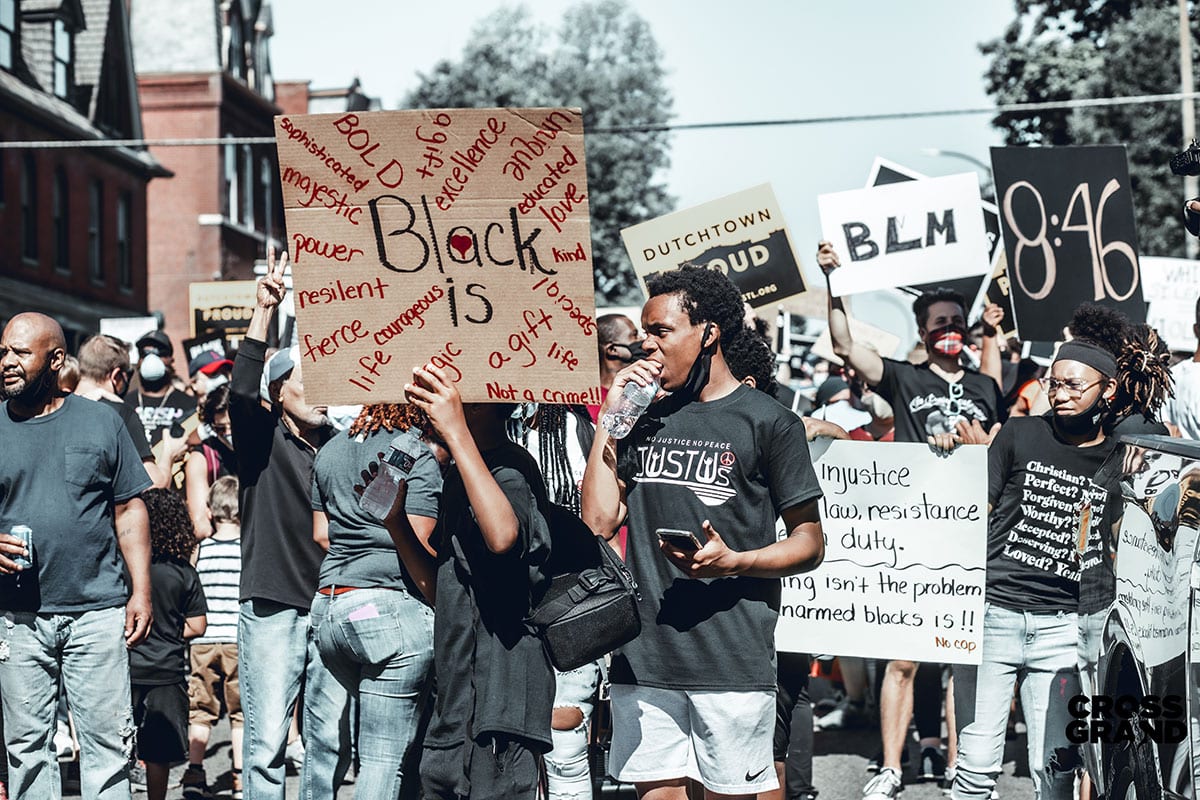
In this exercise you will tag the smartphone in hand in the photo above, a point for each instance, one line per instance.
(683, 540)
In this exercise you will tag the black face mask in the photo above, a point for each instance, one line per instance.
(697, 377)
(636, 352)
(1083, 423)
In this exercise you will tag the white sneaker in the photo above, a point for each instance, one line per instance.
(884, 786)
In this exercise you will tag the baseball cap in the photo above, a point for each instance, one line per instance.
(157, 341)
(832, 386)
(208, 362)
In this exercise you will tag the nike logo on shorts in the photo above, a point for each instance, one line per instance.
(756, 775)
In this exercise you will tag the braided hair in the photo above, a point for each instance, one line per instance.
(388, 416)
(1144, 379)
(551, 421)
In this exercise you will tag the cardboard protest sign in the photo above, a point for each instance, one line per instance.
(1171, 287)
(879, 340)
(743, 235)
(222, 307)
(457, 237)
(912, 232)
(1069, 235)
(905, 556)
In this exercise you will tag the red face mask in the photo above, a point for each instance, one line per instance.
(947, 340)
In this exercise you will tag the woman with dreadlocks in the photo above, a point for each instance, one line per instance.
(1044, 525)
(559, 437)
(371, 618)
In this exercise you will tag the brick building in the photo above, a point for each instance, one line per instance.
(72, 220)
(204, 72)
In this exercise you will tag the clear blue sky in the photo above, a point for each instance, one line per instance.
(726, 61)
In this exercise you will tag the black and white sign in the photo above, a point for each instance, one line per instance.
(1069, 235)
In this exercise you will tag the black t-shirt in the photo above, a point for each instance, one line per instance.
(738, 462)
(176, 594)
(1041, 491)
(133, 424)
(280, 560)
(493, 674)
(925, 403)
(160, 413)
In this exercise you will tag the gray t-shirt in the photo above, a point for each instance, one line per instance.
(61, 474)
(361, 552)
(738, 461)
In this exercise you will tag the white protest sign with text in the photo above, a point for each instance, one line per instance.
(743, 235)
(911, 232)
(1170, 287)
(905, 556)
(457, 237)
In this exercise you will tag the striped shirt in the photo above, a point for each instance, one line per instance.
(220, 566)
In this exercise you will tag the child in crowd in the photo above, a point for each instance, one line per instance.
(215, 655)
(158, 667)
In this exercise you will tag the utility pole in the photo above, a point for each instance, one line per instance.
(1191, 184)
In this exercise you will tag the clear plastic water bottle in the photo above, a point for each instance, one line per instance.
(635, 399)
(381, 493)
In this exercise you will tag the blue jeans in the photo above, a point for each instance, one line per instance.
(1042, 649)
(567, 768)
(87, 650)
(273, 652)
(376, 647)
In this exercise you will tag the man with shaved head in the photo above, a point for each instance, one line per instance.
(71, 474)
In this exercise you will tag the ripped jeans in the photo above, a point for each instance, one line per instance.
(88, 650)
(1041, 648)
(567, 764)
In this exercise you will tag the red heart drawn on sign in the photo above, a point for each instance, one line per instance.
(462, 244)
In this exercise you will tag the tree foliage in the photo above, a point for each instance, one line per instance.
(604, 59)
(1069, 49)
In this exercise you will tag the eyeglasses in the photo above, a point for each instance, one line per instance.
(1074, 386)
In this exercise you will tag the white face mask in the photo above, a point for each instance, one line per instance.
(152, 368)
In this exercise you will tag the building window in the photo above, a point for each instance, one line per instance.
(62, 59)
(247, 186)
(29, 204)
(62, 223)
(8, 31)
(268, 199)
(125, 241)
(232, 206)
(96, 232)
(237, 47)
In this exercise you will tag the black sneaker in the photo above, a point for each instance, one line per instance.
(877, 759)
(933, 765)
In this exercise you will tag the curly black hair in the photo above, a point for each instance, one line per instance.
(171, 531)
(1100, 325)
(749, 355)
(942, 294)
(706, 295)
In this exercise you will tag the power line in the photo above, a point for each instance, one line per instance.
(1007, 108)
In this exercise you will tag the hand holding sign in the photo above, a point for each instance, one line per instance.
(435, 394)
